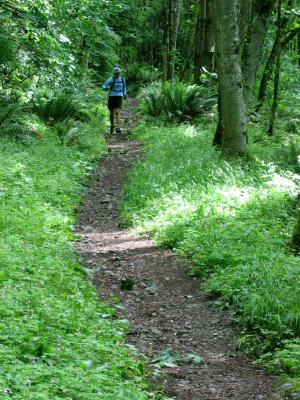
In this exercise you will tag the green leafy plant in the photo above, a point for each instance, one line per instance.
(138, 76)
(55, 107)
(169, 358)
(232, 220)
(175, 101)
(56, 339)
(17, 124)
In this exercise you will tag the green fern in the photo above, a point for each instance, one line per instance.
(56, 107)
(8, 111)
(175, 101)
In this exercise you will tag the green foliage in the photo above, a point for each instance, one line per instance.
(286, 360)
(56, 339)
(55, 107)
(232, 220)
(16, 123)
(296, 234)
(54, 43)
(169, 358)
(138, 76)
(7, 111)
(175, 101)
(6, 48)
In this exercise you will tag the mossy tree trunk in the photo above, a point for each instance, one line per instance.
(277, 75)
(234, 135)
(199, 40)
(277, 46)
(171, 14)
(280, 42)
(253, 41)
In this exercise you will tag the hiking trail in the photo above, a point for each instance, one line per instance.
(164, 307)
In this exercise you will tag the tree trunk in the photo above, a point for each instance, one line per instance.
(277, 75)
(278, 45)
(267, 74)
(166, 45)
(84, 54)
(253, 43)
(275, 95)
(244, 18)
(230, 79)
(172, 12)
(269, 66)
(204, 40)
(296, 234)
(219, 130)
(199, 40)
(209, 43)
(174, 24)
(298, 42)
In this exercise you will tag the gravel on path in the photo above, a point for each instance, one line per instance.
(163, 305)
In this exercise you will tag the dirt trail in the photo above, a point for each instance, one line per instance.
(164, 307)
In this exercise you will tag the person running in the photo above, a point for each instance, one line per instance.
(117, 91)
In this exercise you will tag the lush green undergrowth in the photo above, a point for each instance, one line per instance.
(56, 340)
(233, 220)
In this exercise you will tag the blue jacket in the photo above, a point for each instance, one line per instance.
(117, 86)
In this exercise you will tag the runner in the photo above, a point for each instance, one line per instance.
(117, 91)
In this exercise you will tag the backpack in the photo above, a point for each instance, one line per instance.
(113, 83)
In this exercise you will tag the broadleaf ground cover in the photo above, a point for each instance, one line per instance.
(57, 341)
(233, 220)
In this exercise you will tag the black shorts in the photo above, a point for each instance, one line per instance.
(115, 102)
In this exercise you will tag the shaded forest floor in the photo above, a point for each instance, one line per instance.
(164, 307)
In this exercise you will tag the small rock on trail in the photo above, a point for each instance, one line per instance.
(164, 307)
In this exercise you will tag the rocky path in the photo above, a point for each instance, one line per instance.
(165, 309)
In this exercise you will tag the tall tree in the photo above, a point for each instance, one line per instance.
(296, 234)
(254, 33)
(234, 127)
(283, 37)
(204, 39)
(277, 73)
(172, 14)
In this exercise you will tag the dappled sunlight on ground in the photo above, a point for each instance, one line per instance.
(113, 241)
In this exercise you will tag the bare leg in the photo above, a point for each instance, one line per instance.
(118, 117)
(112, 120)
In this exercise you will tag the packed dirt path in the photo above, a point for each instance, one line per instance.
(164, 306)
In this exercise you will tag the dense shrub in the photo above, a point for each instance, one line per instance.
(55, 107)
(7, 47)
(176, 100)
(17, 124)
(138, 76)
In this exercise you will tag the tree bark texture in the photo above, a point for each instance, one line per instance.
(244, 18)
(298, 42)
(296, 234)
(172, 13)
(209, 43)
(275, 95)
(166, 45)
(234, 140)
(270, 64)
(277, 75)
(204, 39)
(253, 44)
(217, 141)
(199, 40)
(278, 45)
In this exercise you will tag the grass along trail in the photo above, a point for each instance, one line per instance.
(168, 317)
